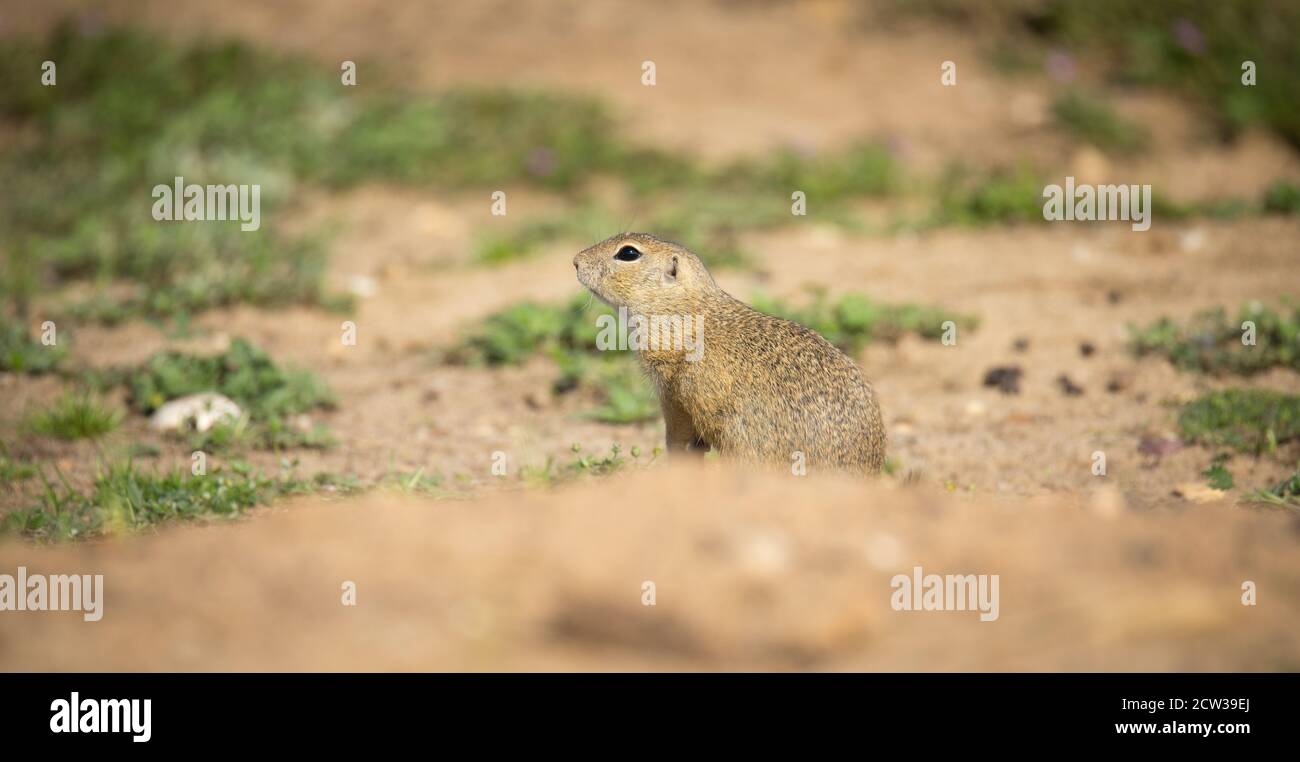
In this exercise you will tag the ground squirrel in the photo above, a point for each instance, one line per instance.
(762, 390)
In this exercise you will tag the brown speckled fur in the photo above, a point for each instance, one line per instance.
(764, 388)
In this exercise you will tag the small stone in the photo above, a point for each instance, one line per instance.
(1005, 377)
(205, 410)
(362, 286)
(1069, 387)
(1191, 241)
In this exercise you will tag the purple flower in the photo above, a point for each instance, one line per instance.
(1188, 37)
(1059, 66)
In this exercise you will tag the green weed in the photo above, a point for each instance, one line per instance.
(19, 353)
(124, 498)
(854, 320)
(271, 396)
(1249, 420)
(1092, 121)
(1211, 343)
(76, 416)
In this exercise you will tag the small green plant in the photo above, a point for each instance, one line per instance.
(520, 331)
(1211, 343)
(707, 209)
(625, 401)
(272, 397)
(567, 333)
(598, 466)
(854, 320)
(125, 498)
(978, 199)
(414, 483)
(1195, 49)
(19, 353)
(1217, 475)
(589, 465)
(1248, 420)
(1092, 121)
(1284, 493)
(76, 416)
(13, 471)
(1282, 197)
(242, 372)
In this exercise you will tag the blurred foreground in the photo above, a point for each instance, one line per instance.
(750, 572)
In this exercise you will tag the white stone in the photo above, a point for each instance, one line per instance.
(205, 409)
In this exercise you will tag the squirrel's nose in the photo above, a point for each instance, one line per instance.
(575, 264)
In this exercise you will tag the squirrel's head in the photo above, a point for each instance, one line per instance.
(644, 273)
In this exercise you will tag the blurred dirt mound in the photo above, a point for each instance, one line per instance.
(750, 572)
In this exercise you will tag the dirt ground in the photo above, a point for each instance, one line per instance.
(752, 572)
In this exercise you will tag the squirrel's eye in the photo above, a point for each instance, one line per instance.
(627, 254)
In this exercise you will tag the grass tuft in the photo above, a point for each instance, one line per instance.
(271, 396)
(1211, 343)
(1092, 121)
(76, 416)
(854, 320)
(1248, 420)
(124, 498)
(19, 353)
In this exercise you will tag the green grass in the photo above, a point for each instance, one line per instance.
(1217, 475)
(854, 320)
(1212, 343)
(552, 473)
(271, 433)
(566, 332)
(625, 396)
(1192, 48)
(414, 483)
(1089, 119)
(242, 372)
(125, 498)
(20, 353)
(270, 395)
(1284, 493)
(707, 209)
(1247, 420)
(132, 110)
(518, 332)
(1282, 197)
(13, 471)
(75, 416)
(1000, 197)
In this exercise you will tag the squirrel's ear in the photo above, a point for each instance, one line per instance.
(670, 275)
